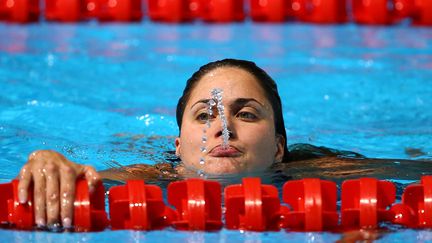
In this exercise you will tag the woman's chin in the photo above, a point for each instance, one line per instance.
(222, 166)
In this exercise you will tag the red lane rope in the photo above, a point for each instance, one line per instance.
(375, 12)
(196, 205)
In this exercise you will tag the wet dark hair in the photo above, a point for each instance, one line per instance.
(265, 81)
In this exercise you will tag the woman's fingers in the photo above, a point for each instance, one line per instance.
(54, 179)
(67, 194)
(23, 185)
(52, 193)
(39, 196)
(92, 177)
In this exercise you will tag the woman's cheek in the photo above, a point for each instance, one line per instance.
(262, 145)
(259, 135)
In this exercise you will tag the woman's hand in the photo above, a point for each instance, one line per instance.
(54, 179)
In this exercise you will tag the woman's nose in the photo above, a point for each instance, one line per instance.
(219, 126)
(230, 133)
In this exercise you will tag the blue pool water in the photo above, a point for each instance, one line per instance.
(105, 95)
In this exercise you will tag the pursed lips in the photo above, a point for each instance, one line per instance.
(220, 151)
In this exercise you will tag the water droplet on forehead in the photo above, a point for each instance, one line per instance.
(212, 103)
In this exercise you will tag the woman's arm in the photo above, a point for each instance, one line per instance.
(160, 171)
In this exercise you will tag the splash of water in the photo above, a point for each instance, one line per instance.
(217, 95)
(216, 100)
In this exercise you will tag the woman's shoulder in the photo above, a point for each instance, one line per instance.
(305, 151)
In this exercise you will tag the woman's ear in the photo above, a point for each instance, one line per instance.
(280, 145)
(177, 146)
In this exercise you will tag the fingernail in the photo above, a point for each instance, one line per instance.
(21, 196)
(67, 223)
(40, 222)
(54, 227)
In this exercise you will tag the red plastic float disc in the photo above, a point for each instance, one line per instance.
(197, 203)
(269, 10)
(406, 212)
(120, 10)
(223, 11)
(89, 209)
(380, 12)
(253, 206)
(313, 203)
(321, 12)
(91, 8)
(21, 11)
(403, 215)
(416, 207)
(21, 216)
(172, 10)
(422, 12)
(138, 206)
(365, 202)
(64, 10)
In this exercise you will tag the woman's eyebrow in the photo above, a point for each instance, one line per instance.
(244, 101)
(237, 102)
(205, 101)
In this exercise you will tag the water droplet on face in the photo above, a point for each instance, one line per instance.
(217, 95)
(216, 100)
(212, 102)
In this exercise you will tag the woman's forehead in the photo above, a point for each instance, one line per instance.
(234, 82)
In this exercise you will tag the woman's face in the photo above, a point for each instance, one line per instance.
(253, 144)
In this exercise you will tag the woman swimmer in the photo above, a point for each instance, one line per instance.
(257, 141)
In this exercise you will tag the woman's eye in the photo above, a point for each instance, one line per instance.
(203, 117)
(246, 116)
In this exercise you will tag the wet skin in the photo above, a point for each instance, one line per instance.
(53, 178)
(253, 143)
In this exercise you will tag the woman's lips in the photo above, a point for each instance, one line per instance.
(220, 151)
